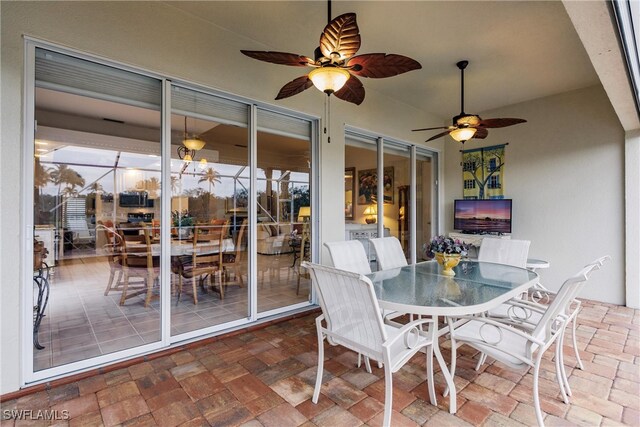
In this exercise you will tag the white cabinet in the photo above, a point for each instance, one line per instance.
(364, 232)
(47, 236)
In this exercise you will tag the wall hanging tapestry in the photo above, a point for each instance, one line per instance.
(483, 172)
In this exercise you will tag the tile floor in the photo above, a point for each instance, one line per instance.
(265, 378)
(81, 322)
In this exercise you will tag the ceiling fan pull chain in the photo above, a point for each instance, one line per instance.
(327, 115)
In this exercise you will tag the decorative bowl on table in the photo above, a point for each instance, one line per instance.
(447, 262)
(447, 252)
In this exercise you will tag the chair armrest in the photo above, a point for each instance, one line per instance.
(411, 327)
(498, 326)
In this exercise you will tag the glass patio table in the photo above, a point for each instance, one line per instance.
(422, 289)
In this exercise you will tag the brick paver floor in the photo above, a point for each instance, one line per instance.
(266, 377)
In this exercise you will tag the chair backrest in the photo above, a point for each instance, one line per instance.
(599, 262)
(238, 252)
(349, 255)
(350, 308)
(560, 304)
(206, 244)
(504, 251)
(389, 253)
(136, 257)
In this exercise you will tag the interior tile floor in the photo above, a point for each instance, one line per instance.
(81, 322)
(265, 378)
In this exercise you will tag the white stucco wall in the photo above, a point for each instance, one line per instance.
(564, 170)
(161, 39)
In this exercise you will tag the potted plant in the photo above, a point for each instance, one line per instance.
(183, 223)
(446, 251)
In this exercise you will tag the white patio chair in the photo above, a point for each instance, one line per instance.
(504, 251)
(349, 255)
(352, 316)
(389, 253)
(516, 347)
(525, 314)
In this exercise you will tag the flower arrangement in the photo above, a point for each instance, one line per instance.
(445, 245)
(182, 219)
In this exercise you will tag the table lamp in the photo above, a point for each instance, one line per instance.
(370, 213)
(304, 213)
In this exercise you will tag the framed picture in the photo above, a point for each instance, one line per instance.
(349, 192)
(368, 185)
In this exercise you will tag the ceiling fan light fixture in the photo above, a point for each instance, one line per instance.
(463, 134)
(187, 158)
(194, 143)
(329, 79)
(202, 164)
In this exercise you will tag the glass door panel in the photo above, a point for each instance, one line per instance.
(397, 185)
(425, 177)
(361, 162)
(97, 176)
(209, 199)
(283, 195)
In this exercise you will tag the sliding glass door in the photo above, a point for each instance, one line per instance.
(121, 159)
(209, 217)
(97, 190)
(405, 204)
(284, 207)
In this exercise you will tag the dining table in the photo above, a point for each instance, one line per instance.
(422, 289)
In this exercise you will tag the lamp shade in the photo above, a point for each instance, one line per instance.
(463, 134)
(202, 164)
(329, 79)
(370, 210)
(194, 143)
(304, 212)
(187, 158)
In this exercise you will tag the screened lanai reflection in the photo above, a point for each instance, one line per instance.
(111, 178)
(96, 172)
(210, 222)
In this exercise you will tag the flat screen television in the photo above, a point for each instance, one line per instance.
(135, 199)
(492, 216)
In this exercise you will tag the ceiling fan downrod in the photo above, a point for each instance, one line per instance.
(462, 65)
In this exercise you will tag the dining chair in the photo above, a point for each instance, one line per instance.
(138, 260)
(232, 261)
(112, 247)
(504, 251)
(304, 255)
(522, 313)
(352, 319)
(389, 253)
(517, 347)
(349, 255)
(525, 313)
(203, 264)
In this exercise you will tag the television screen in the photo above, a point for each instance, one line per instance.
(482, 216)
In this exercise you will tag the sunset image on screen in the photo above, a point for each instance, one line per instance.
(479, 216)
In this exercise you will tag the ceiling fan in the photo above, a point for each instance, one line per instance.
(334, 63)
(466, 126)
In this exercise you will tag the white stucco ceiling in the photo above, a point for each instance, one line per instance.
(518, 50)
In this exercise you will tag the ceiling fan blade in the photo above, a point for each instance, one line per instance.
(481, 133)
(352, 91)
(341, 35)
(281, 58)
(294, 87)
(499, 123)
(439, 127)
(438, 135)
(380, 65)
